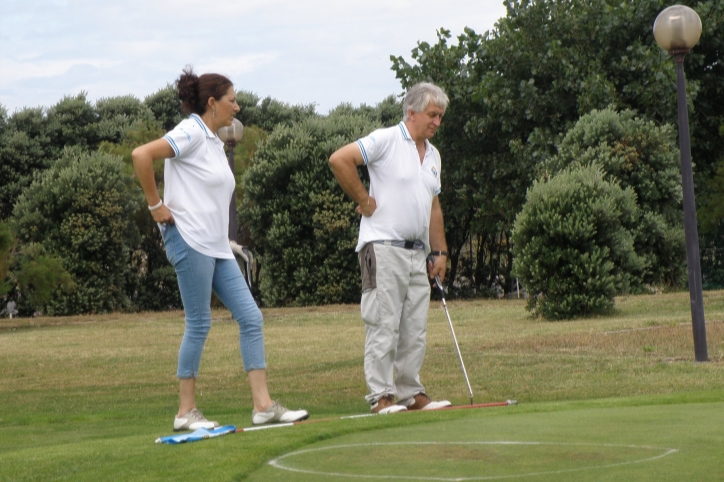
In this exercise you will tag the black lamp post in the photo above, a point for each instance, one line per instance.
(230, 136)
(677, 29)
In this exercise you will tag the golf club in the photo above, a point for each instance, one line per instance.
(452, 330)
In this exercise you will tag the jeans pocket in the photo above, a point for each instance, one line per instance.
(168, 241)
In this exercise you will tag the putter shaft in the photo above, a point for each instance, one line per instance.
(455, 339)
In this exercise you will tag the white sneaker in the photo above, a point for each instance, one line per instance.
(193, 420)
(423, 402)
(278, 413)
(435, 404)
(386, 404)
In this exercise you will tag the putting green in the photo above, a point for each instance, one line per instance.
(660, 442)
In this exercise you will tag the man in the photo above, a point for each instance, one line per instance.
(401, 223)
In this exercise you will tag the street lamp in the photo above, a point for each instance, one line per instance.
(230, 136)
(677, 29)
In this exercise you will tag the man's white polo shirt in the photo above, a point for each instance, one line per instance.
(402, 187)
(198, 187)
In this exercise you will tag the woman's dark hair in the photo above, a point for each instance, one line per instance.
(195, 91)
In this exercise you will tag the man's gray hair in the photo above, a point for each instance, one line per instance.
(422, 95)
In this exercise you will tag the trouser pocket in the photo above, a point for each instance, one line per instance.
(168, 233)
(368, 267)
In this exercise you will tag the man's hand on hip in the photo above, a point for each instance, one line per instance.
(368, 207)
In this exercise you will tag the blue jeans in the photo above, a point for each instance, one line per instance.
(197, 276)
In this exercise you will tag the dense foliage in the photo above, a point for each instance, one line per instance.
(574, 243)
(517, 94)
(56, 267)
(6, 243)
(303, 225)
(267, 113)
(25, 148)
(516, 90)
(82, 211)
(639, 155)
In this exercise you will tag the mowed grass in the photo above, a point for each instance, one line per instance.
(84, 398)
(670, 442)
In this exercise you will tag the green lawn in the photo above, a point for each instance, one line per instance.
(84, 398)
(658, 442)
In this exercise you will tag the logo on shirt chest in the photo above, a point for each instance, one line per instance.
(434, 171)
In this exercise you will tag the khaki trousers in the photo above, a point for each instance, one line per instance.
(395, 302)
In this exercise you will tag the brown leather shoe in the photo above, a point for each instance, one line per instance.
(423, 402)
(386, 404)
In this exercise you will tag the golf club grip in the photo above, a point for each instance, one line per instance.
(439, 286)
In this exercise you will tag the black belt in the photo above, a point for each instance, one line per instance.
(416, 244)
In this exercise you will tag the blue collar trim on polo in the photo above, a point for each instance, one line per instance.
(201, 123)
(406, 135)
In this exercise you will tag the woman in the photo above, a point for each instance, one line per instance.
(194, 219)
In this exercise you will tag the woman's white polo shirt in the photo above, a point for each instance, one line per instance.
(198, 187)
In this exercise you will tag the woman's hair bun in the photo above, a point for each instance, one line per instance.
(188, 90)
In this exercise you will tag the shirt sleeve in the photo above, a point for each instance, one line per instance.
(184, 137)
(373, 145)
(438, 163)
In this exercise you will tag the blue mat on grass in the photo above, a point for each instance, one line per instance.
(197, 435)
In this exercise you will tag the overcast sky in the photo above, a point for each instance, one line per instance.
(323, 52)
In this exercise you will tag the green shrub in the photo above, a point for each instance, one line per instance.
(303, 225)
(73, 121)
(573, 243)
(81, 210)
(711, 233)
(155, 287)
(25, 148)
(159, 291)
(166, 107)
(39, 276)
(119, 115)
(6, 244)
(711, 246)
(640, 155)
(268, 113)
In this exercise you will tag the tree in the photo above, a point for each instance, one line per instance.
(118, 115)
(152, 283)
(6, 243)
(388, 112)
(574, 247)
(711, 236)
(25, 148)
(81, 211)
(244, 153)
(166, 107)
(517, 89)
(268, 113)
(73, 122)
(303, 224)
(636, 154)
(472, 221)
(20, 157)
(3, 118)
(39, 277)
(28, 275)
